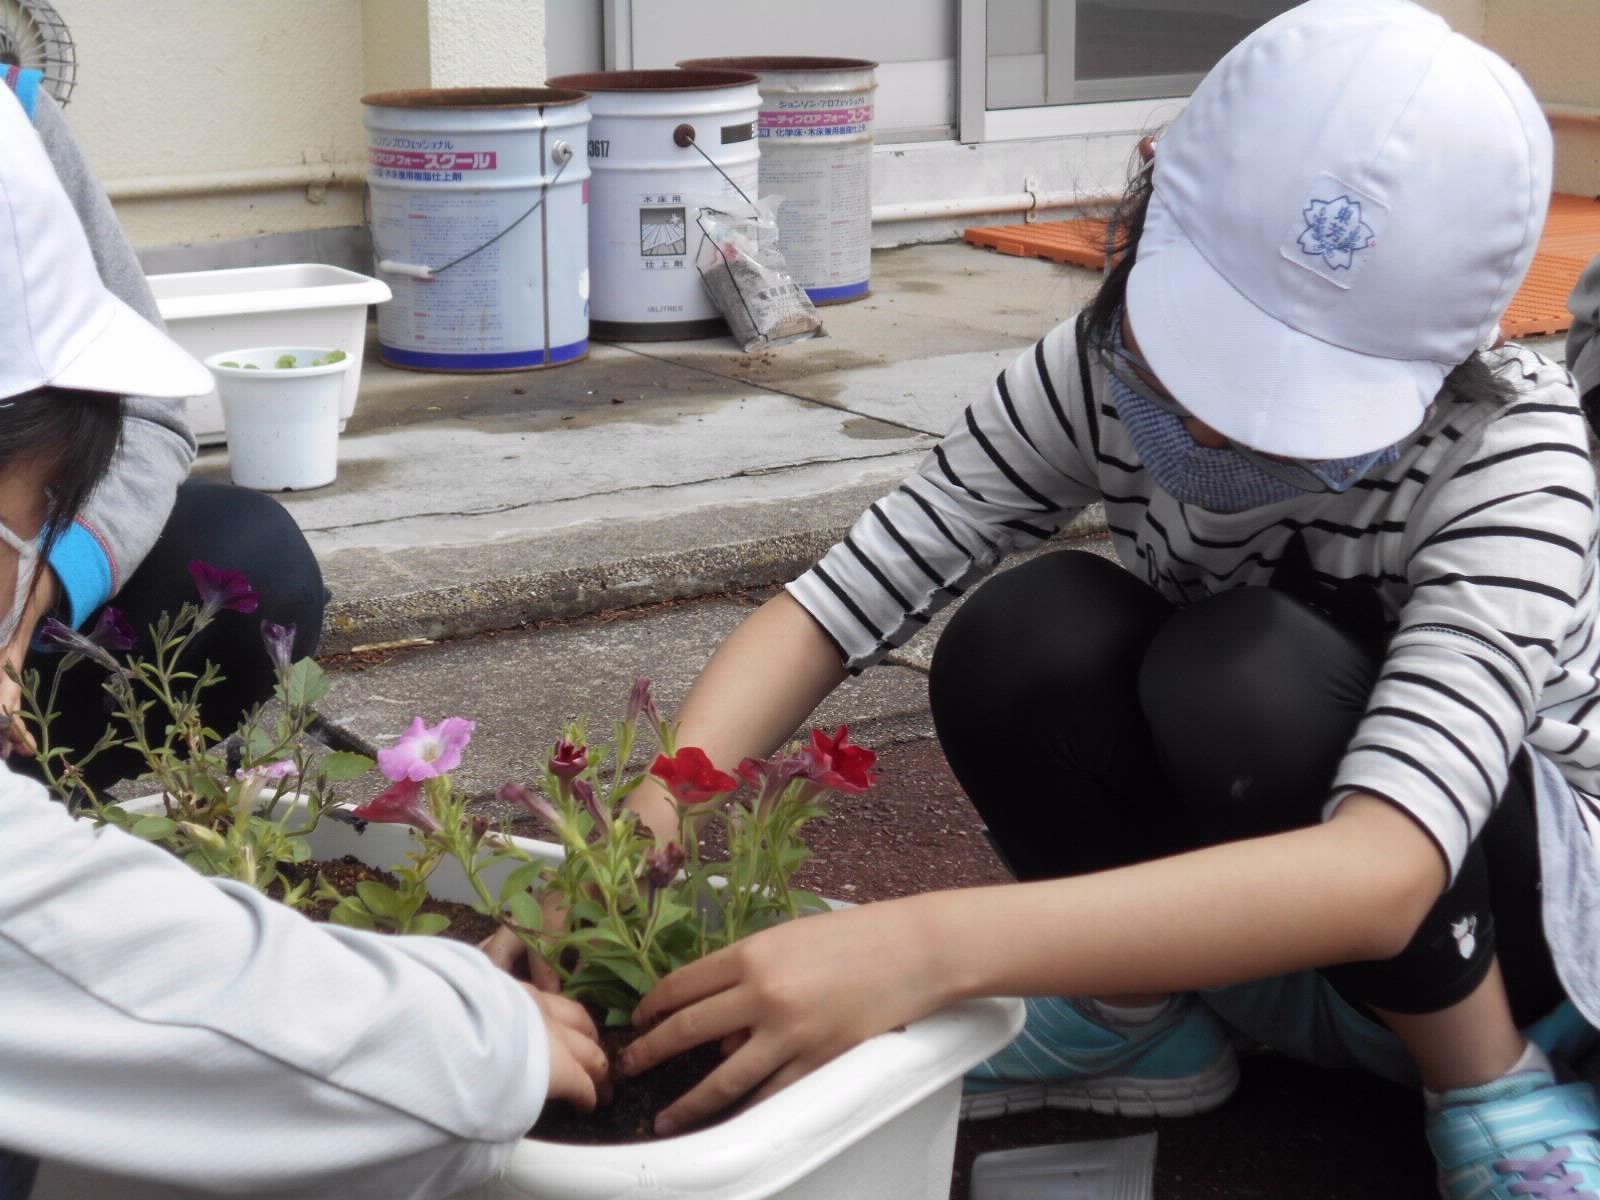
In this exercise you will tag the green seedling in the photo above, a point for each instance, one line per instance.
(286, 361)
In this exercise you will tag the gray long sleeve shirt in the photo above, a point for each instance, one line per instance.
(116, 530)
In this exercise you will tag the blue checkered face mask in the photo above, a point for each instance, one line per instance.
(1229, 479)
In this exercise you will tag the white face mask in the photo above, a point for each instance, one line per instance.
(27, 567)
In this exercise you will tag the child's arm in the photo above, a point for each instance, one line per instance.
(1353, 888)
(756, 690)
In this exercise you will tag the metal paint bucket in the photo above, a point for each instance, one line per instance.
(659, 140)
(816, 152)
(480, 226)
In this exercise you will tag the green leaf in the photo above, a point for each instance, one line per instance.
(341, 765)
(809, 902)
(351, 913)
(381, 901)
(285, 361)
(308, 683)
(523, 878)
(586, 912)
(625, 969)
(670, 911)
(526, 910)
(428, 924)
(153, 828)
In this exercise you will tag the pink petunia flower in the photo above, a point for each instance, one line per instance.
(426, 751)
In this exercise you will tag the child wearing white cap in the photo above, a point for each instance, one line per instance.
(143, 1033)
(1323, 763)
(133, 538)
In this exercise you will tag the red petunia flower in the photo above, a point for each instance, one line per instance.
(568, 759)
(691, 776)
(834, 762)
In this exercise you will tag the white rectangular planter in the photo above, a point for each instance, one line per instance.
(877, 1123)
(309, 304)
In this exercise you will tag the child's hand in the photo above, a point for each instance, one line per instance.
(579, 1072)
(784, 1002)
(508, 952)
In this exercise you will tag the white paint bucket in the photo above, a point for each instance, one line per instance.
(480, 226)
(282, 423)
(816, 152)
(659, 141)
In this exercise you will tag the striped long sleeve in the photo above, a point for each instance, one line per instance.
(1479, 542)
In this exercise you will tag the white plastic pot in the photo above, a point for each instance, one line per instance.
(313, 304)
(877, 1123)
(282, 423)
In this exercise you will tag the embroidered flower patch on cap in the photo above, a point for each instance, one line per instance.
(1335, 233)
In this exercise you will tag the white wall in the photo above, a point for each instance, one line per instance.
(231, 123)
(242, 119)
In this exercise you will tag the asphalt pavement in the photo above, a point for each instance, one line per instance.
(519, 547)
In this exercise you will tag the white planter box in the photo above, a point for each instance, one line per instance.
(877, 1123)
(308, 304)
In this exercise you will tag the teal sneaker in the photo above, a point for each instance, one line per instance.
(1525, 1135)
(1070, 1054)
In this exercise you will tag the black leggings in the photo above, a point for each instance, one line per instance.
(1095, 725)
(229, 527)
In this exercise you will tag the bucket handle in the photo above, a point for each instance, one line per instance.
(560, 154)
(683, 137)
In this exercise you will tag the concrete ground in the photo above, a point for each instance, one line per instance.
(484, 528)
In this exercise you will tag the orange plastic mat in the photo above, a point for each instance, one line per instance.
(1571, 240)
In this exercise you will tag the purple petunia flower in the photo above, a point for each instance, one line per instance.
(642, 704)
(587, 795)
(60, 636)
(113, 630)
(280, 644)
(221, 588)
(525, 797)
(662, 864)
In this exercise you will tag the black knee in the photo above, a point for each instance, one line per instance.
(243, 530)
(1043, 637)
(1251, 699)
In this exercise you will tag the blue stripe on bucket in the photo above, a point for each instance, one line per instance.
(512, 361)
(848, 292)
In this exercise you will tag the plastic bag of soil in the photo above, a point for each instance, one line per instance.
(746, 278)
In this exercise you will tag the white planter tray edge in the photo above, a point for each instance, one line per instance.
(877, 1122)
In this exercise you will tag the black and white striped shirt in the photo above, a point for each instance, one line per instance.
(1480, 539)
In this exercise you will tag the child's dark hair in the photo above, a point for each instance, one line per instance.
(78, 432)
(1471, 381)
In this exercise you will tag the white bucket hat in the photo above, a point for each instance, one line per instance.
(1340, 216)
(59, 326)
